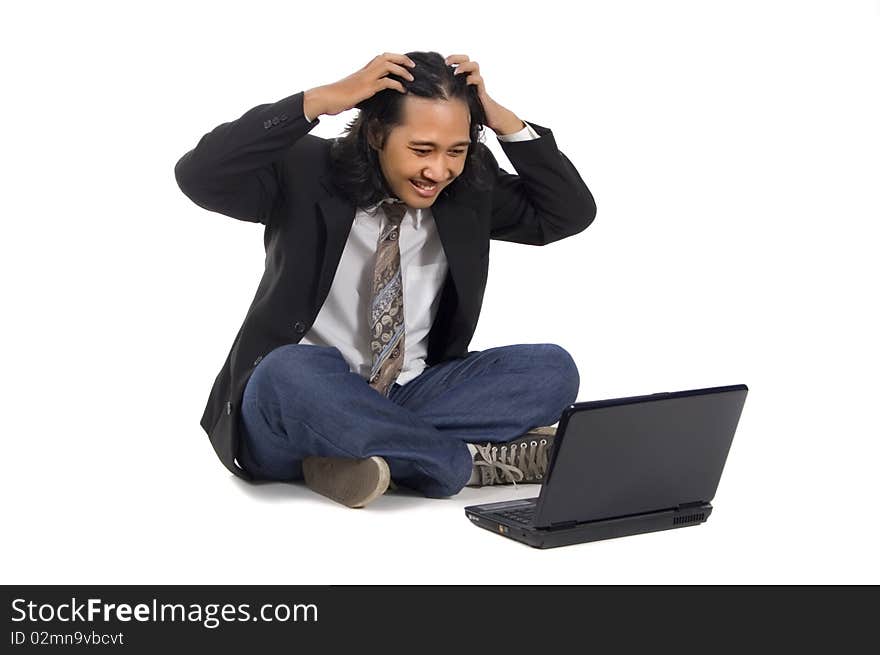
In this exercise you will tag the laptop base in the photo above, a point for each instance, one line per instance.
(576, 533)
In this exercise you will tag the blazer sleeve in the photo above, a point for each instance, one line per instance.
(547, 201)
(235, 168)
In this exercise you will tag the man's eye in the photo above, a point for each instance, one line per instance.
(425, 152)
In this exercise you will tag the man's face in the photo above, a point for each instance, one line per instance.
(430, 148)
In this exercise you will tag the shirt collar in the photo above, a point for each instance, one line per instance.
(416, 214)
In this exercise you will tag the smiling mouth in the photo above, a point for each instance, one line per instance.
(427, 186)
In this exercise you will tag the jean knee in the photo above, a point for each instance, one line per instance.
(288, 368)
(565, 371)
(301, 355)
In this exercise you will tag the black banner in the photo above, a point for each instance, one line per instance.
(269, 619)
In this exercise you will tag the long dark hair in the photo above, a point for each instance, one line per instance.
(355, 165)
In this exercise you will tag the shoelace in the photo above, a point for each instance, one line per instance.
(528, 461)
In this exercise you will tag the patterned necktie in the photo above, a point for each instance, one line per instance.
(386, 311)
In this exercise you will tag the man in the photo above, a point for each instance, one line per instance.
(351, 368)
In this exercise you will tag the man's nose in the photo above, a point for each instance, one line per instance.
(437, 172)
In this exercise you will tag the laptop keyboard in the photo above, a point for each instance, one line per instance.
(522, 515)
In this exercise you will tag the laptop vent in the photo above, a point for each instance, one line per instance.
(690, 518)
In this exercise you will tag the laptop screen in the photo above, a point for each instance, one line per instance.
(642, 454)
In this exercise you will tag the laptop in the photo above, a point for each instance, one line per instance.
(625, 466)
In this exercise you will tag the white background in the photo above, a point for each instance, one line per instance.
(732, 148)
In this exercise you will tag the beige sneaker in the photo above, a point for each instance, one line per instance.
(352, 482)
(522, 460)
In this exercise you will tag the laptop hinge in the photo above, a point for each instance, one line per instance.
(563, 524)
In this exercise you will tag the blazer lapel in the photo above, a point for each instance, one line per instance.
(459, 229)
(338, 215)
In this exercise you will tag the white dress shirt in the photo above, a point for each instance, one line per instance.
(344, 319)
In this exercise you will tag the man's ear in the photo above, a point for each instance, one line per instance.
(374, 135)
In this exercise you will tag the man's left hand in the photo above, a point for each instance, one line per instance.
(500, 119)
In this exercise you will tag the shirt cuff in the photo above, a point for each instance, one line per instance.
(308, 120)
(525, 134)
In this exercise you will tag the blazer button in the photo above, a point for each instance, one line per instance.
(284, 117)
(299, 326)
(275, 120)
(267, 124)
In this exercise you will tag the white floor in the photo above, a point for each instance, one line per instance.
(186, 520)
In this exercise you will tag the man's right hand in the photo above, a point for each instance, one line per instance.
(332, 99)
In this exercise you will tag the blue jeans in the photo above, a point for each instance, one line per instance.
(302, 400)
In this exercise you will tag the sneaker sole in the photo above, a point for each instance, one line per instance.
(350, 482)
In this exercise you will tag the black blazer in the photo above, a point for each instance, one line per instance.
(265, 168)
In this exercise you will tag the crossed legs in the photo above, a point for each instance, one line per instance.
(303, 401)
